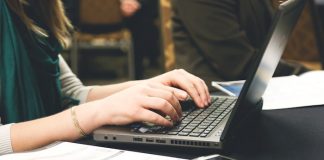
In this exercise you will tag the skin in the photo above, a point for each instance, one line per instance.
(129, 7)
(119, 104)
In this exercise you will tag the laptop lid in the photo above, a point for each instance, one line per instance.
(249, 102)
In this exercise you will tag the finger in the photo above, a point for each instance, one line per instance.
(180, 94)
(201, 87)
(201, 90)
(207, 92)
(186, 84)
(161, 105)
(152, 117)
(167, 93)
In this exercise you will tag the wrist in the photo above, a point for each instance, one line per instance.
(101, 116)
(88, 116)
(76, 123)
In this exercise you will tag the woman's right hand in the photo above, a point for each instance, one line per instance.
(141, 103)
(129, 7)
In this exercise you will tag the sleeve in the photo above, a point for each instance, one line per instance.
(144, 2)
(5, 139)
(212, 36)
(71, 85)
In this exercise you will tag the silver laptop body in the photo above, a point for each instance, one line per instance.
(230, 121)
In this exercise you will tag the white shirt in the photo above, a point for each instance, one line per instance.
(71, 86)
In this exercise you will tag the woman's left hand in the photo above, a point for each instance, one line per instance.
(184, 81)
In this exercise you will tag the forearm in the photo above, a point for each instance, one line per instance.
(59, 127)
(100, 92)
(73, 87)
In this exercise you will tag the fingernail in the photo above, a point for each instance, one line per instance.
(177, 118)
(202, 104)
(184, 95)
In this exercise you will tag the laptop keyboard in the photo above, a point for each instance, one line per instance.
(194, 122)
(200, 122)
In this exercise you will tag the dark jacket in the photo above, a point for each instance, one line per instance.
(219, 39)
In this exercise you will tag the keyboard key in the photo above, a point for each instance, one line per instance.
(205, 123)
(207, 132)
(211, 127)
(203, 135)
(176, 129)
(189, 127)
(191, 117)
(202, 126)
(185, 121)
(192, 125)
(172, 133)
(198, 130)
(211, 119)
(186, 130)
(213, 99)
(183, 134)
(194, 134)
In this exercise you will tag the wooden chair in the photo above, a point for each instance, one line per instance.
(306, 43)
(100, 27)
(166, 31)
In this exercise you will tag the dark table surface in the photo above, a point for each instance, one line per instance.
(278, 134)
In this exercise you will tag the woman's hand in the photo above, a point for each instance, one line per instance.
(153, 99)
(129, 7)
(185, 81)
(147, 102)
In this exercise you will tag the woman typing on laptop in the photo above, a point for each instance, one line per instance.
(35, 83)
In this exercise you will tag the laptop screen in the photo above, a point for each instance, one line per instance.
(250, 99)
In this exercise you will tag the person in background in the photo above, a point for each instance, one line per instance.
(140, 19)
(221, 39)
(36, 82)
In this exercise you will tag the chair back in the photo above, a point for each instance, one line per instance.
(100, 12)
(100, 15)
(306, 42)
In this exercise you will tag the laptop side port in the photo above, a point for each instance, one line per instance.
(160, 141)
(149, 140)
(136, 139)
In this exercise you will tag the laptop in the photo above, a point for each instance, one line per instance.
(226, 116)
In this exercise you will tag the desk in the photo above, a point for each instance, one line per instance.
(280, 134)
(285, 134)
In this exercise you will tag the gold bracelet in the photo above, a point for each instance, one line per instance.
(76, 123)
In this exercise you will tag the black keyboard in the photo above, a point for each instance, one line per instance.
(200, 122)
(194, 122)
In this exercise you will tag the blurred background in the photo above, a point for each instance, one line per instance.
(110, 45)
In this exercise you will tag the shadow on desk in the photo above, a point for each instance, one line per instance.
(279, 134)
